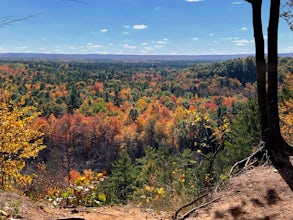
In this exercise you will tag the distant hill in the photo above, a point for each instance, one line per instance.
(118, 57)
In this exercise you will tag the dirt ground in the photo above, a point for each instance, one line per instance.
(14, 206)
(260, 193)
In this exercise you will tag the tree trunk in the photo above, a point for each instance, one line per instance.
(260, 66)
(279, 151)
(273, 113)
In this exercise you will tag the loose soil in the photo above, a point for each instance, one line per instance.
(259, 193)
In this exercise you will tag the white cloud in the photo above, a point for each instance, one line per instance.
(127, 46)
(237, 3)
(147, 48)
(290, 49)
(126, 26)
(162, 42)
(193, 0)
(226, 38)
(244, 28)
(211, 34)
(195, 38)
(140, 26)
(104, 30)
(22, 47)
(125, 32)
(93, 46)
(241, 42)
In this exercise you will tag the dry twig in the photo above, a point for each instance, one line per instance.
(247, 161)
(187, 214)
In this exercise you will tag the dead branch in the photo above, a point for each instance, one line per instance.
(247, 161)
(187, 214)
(189, 204)
(3, 213)
(4, 21)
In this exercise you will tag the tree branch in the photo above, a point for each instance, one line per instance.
(249, 1)
(247, 159)
(189, 204)
(4, 21)
(198, 207)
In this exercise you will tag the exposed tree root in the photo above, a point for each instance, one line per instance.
(282, 158)
(193, 210)
(189, 204)
(187, 214)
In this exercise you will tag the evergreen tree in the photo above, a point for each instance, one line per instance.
(74, 100)
(243, 135)
(120, 185)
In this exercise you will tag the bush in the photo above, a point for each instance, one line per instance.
(243, 135)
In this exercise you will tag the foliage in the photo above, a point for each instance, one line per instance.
(286, 109)
(166, 180)
(19, 141)
(84, 190)
(243, 135)
(120, 185)
(168, 130)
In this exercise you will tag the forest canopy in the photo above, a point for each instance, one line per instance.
(118, 115)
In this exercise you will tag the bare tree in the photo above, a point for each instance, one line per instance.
(267, 82)
(287, 13)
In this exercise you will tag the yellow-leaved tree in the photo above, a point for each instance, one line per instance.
(19, 141)
(286, 109)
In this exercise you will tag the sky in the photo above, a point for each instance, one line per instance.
(144, 27)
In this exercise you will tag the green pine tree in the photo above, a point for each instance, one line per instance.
(243, 136)
(120, 185)
(74, 100)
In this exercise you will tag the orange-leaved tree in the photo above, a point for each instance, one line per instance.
(19, 141)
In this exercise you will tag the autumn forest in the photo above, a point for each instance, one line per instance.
(112, 132)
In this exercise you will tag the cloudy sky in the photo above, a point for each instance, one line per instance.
(132, 27)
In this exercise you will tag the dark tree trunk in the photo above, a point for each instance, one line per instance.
(280, 152)
(273, 113)
(261, 67)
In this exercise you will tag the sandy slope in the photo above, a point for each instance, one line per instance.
(259, 193)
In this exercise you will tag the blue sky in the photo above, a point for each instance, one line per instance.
(188, 27)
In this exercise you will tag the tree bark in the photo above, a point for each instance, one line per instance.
(260, 66)
(273, 113)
